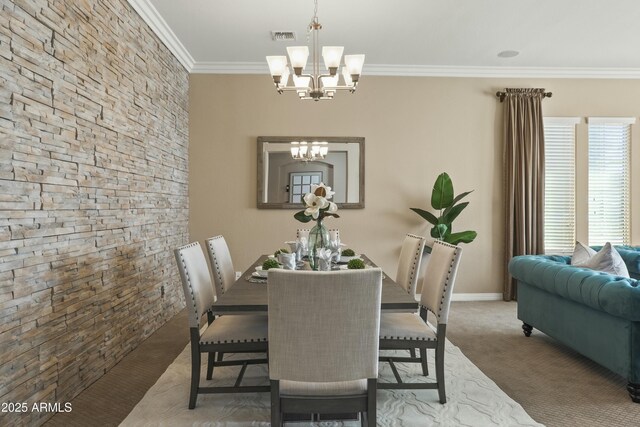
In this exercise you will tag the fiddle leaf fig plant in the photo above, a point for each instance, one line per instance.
(444, 201)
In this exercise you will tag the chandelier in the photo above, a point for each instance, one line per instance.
(318, 84)
(308, 153)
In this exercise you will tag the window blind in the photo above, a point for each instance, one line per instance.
(559, 191)
(609, 176)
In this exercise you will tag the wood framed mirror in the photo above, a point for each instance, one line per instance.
(283, 180)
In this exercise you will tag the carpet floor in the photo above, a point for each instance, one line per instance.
(473, 399)
(555, 385)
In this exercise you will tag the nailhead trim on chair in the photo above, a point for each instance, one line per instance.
(186, 273)
(234, 341)
(415, 258)
(217, 265)
(408, 338)
(308, 229)
(446, 282)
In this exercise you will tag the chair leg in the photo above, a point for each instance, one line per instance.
(423, 361)
(372, 416)
(412, 352)
(210, 359)
(220, 357)
(276, 415)
(440, 371)
(195, 375)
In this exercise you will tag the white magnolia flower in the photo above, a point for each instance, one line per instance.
(314, 204)
(333, 208)
(328, 193)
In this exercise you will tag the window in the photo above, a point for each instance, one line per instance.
(300, 184)
(609, 175)
(560, 188)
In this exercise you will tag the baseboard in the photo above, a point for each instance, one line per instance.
(476, 297)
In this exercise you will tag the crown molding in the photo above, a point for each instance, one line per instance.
(439, 71)
(230, 68)
(159, 26)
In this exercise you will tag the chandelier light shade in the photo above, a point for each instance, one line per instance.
(317, 83)
(302, 150)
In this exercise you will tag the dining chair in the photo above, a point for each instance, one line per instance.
(409, 263)
(406, 331)
(224, 275)
(224, 334)
(409, 270)
(323, 342)
(304, 232)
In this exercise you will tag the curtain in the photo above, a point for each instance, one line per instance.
(524, 178)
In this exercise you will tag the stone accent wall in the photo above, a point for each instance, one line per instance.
(93, 194)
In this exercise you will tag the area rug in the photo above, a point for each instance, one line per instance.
(472, 399)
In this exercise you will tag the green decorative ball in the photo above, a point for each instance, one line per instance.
(355, 264)
(281, 251)
(270, 263)
(348, 252)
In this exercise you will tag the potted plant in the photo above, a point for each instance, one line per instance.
(444, 201)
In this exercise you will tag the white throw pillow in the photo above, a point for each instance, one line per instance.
(581, 254)
(607, 260)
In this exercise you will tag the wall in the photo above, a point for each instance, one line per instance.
(93, 193)
(415, 128)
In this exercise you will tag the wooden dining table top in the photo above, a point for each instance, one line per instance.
(246, 295)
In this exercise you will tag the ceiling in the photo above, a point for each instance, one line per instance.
(571, 38)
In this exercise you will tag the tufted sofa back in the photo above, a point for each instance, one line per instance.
(613, 294)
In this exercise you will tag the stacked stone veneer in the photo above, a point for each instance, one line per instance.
(93, 193)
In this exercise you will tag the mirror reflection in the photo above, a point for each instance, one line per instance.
(288, 166)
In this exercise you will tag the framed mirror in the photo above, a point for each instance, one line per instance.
(289, 165)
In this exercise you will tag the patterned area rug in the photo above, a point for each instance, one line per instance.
(472, 399)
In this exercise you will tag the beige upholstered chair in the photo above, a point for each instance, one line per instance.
(224, 276)
(225, 334)
(304, 232)
(409, 263)
(407, 331)
(323, 342)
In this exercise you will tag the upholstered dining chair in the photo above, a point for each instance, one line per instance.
(406, 331)
(224, 276)
(224, 334)
(323, 342)
(409, 263)
(304, 232)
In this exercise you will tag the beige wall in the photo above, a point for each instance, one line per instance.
(415, 128)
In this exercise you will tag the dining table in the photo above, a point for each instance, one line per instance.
(251, 295)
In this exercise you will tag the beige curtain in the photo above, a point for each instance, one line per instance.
(524, 177)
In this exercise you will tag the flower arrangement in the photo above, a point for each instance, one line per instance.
(317, 204)
(317, 207)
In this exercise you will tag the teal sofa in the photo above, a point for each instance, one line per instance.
(594, 313)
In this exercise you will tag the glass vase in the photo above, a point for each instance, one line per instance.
(318, 239)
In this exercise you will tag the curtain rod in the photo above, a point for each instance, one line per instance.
(503, 95)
